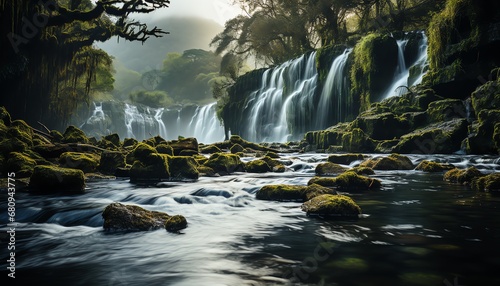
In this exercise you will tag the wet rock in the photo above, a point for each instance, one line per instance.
(183, 167)
(391, 162)
(210, 149)
(329, 169)
(237, 148)
(129, 142)
(148, 164)
(74, 135)
(20, 164)
(462, 176)
(345, 159)
(175, 223)
(382, 126)
(206, 171)
(484, 140)
(110, 162)
(332, 206)
(21, 131)
(257, 166)
(272, 155)
(487, 96)
(184, 144)
(47, 179)
(447, 109)
(225, 163)
(362, 170)
(291, 192)
(488, 183)
(87, 162)
(132, 218)
(429, 166)
(349, 181)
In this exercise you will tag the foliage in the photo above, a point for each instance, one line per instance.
(155, 98)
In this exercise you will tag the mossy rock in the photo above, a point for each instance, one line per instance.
(496, 137)
(9, 145)
(188, 153)
(437, 138)
(87, 162)
(257, 166)
(47, 179)
(110, 162)
(447, 109)
(175, 223)
(334, 206)
(362, 170)
(129, 142)
(349, 181)
(272, 155)
(74, 135)
(183, 167)
(153, 167)
(114, 139)
(357, 141)
(489, 183)
(210, 149)
(290, 192)
(22, 131)
(235, 139)
(5, 116)
(184, 144)
(431, 167)
(382, 126)
(140, 152)
(163, 148)
(159, 140)
(206, 171)
(487, 96)
(105, 144)
(237, 148)
(279, 168)
(56, 136)
(484, 140)
(461, 176)
(132, 218)
(391, 162)
(329, 169)
(345, 159)
(225, 163)
(20, 164)
(271, 162)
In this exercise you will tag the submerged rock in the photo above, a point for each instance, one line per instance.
(332, 206)
(462, 176)
(129, 217)
(429, 166)
(55, 179)
(391, 162)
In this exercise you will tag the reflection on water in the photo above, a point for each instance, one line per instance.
(418, 230)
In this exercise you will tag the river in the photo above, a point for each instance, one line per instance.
(417, 230)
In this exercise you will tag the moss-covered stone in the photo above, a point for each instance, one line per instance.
(332, 206)
(47, 179)
(153, 167)
(347, 181)
(87, 162)
(462, 176)
(188, 153)
(357, 141)
(225, 163)
(129, 142)
(163, 148)
(382, 126)
(487, 96)
(74, 135)
(110, 162)
(257, 166)
(291, 192)
(9, 145)
(429, 166)
(114, 139)
(272, 155)
(21, 131)
(345, 159)
(132, 218)
(484, 141)
(5, 116)
(237, 148)
(391, 162)
(362, 170)
(489, 183)
(175, 223)
(183, 144)
(206, 171)
(210, 149)
(21, 164)
(280, 168)
(183, 167)
(329, 169)
(447, 109)
(57, 136)
(437, 138)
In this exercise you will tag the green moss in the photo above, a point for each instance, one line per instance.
(332, 206)
(329, 169)
(462, 176)
(74, 135)
(54, 179)
(382, 126)
(272, 155)
(9, 145)
(490, 182)
(391, 162)
(496, 137)
(210, 149)
(129, 142)
(345, 159)
(143, 150)
(188, 153)
(362, 170)
(110, 161)
(225, 163)
(357, 141)
(183, 167)
(87, 162)
(487, 96)
(280, 168)
(447, 109)
(175, 223)
(206, 171)
(153, 167)
(5, 116)
(21, 164)
(22, 131)
(128, 217)
(257, 166)
(352, 181)
(163, 148)
(184, 144)
(291, 192)
(429, 166)
(114, 139)
(237, 148)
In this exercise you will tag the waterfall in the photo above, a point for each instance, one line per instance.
(162, 128)
(402, 76)
(271, 110)
(336, 85)
(205, 126)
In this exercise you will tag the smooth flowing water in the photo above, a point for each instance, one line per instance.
(417, 230)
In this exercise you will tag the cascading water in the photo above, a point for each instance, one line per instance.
(161, 125)
(205, 126)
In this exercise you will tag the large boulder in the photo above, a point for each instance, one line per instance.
(184, 144)
(348, 181)
(47, 179)
(87, 162)
(329, 169)
(148, 164)
(391, 162)
(437, 138)
(74, 135)
(225, 163)
(110, 162)
(20, 164)
(334, 206)
(183, 167)
(490, 182)
(382, 126)
(121, 217)
(257, 166)
(291, 192)
(461, 176)
(447, 109)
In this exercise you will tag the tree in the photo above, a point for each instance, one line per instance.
(47, 51)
